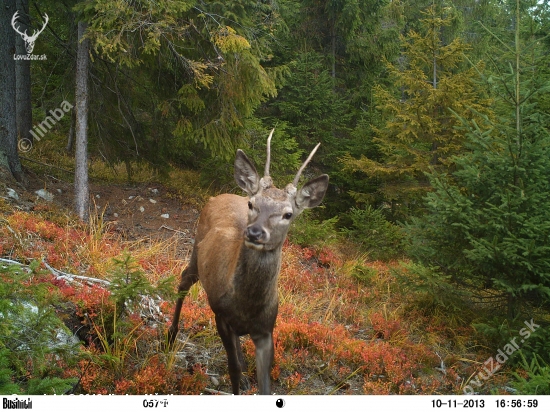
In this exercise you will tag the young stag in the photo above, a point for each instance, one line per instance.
(237, 257)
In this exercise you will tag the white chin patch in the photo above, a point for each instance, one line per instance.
(255, 246)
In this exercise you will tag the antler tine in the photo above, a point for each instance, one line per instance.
(14, 20)
(35, 33)
(297, 178)
(268, 153)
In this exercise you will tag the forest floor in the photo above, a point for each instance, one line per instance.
(346, 325)
(136, 211)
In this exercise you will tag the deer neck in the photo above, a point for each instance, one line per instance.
(258, 272)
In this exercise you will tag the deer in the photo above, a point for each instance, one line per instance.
(237, 258)
(29, 40)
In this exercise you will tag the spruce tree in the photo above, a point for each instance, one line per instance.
(488, 222)
(417, 130)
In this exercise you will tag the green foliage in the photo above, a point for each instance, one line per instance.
(537, 381)
(286, 157)
(118, 325)
(177, 79)
(496, 331)
(417, 130)
(431, 287)
(538, 345)
(314, 111)
(363, 274)
(371, 230)
(129, 284)
(309, 231)
(33, 344)
(50, 386)
(7, 387)
(487, 222)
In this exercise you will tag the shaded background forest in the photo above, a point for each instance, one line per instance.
(433, 118)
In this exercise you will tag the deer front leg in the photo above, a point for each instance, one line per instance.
(234, 353)
(264, 361)
(244, 382)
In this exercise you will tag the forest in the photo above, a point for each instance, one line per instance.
(428, 258)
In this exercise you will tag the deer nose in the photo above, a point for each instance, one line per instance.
(255, 233)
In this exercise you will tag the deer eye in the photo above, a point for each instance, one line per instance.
(287, 216)
(250, 205)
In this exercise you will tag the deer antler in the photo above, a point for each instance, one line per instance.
(268, 153)
(266, 181)
(297, 178)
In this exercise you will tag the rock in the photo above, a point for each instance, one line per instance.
(115, 214)
(130, 197)
(152, 201)
(97, 196)
(56, 337)
(141, 209)
(154, 191)
(165, 216)
(12, 193)
(44, 194)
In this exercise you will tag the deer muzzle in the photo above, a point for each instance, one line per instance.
(256, 237)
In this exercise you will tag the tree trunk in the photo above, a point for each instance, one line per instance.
(8, 125)
(70, 136)
(23, 77)
(82, 199)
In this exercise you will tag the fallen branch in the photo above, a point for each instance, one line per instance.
(173, 230)
(150, 307)
(12, 262)
(63, 275)
(45, 164)
(215, 392)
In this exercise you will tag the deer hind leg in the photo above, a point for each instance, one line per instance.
(188, 278)
(235, 358)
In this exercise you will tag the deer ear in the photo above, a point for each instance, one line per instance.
(245, 174)
(312, 193)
